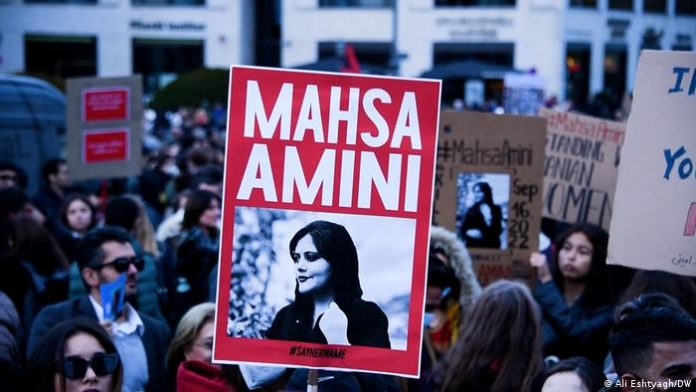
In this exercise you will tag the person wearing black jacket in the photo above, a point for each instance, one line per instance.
(574, 294)
(196, 253)
(482, 223)
(104, 255)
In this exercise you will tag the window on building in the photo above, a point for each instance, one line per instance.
(615, 60)
(60, 1)
(160, 61)
(625, 5)
(583, 3)
(267, 28)
(376, 53)
(475, 3)
(655, 6)
(60, 56)
(685, 7)
(682, 42)
(356, 3)
(168, 2)
(578, 57)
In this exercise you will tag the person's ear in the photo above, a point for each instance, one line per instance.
(625, 382)
(90, 276)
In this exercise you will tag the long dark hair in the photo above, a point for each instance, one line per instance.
(335, 245)
(681, 288)
(46, 360)
(66, 204)
(597, 291)
(197, 203)
(31, 242)
(487, 192)
(588, 371)
(500, 344)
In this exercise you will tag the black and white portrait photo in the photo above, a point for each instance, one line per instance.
(482, 204)
(321, 277)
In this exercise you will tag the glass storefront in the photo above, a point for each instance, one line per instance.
(60, 56)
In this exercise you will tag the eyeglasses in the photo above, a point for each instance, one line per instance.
(8, 177)
(102, 364)
(121, 264)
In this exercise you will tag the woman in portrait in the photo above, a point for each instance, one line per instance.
(328, 307)
(482, 223)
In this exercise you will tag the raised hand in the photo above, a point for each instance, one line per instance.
(474, 233)
(538, 261)
(334, 325)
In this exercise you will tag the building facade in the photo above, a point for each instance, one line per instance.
(579, 47)
(156, 38)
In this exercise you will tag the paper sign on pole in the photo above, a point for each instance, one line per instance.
(580, 168)
(654, 219)
(104, 127)
(327, 207)
(488, 189)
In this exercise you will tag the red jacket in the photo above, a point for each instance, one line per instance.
(195, 376)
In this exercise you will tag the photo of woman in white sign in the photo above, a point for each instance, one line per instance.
(482, 224)
(328, 307)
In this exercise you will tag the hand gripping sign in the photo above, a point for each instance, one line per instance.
(326, 216)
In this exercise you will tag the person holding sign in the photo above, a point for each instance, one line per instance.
(574, 294)
(482, 224)
(328, 307)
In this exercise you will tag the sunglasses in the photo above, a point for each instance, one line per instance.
(102, 364)
(121, 264)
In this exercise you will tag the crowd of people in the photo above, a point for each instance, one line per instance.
(155, 237)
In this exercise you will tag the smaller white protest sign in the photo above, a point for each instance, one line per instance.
(653, 226)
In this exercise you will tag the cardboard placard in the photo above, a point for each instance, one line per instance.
(580, 168)
(654, 219)
(504, 154)
(317, 162)
(104, 118)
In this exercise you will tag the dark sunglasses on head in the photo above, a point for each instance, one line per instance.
(121, 264)
(102, 364)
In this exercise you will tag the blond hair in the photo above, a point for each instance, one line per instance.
(143, 230)
(187, 331)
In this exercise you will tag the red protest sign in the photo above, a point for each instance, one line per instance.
(105, 145)
(106, 104)
(326, 218)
